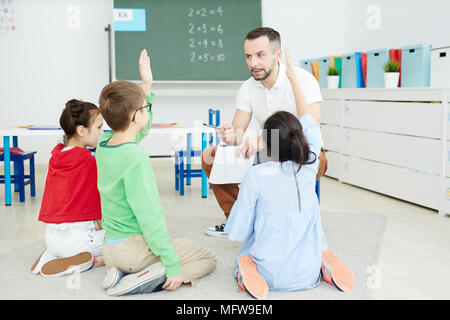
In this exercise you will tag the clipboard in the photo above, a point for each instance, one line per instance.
(228, 168)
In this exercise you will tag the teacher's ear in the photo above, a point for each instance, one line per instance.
(278, 54)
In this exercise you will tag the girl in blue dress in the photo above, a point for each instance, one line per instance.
(277, 212)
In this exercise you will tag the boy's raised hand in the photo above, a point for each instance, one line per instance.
(146, 71)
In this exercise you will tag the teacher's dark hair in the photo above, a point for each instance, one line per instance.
(77, 113)
(273, 35)
(292, 144)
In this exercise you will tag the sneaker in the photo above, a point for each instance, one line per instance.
(335, 273)
(62, 266)
(43, 259)
(250, 280)
(150, 279)
(216, 231)
(112, 277)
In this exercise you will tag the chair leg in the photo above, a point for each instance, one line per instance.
(204, 177)
(318, 189)
(177, 172)
(21, 180)
(188, 159)
(16, 173)
(182, 176)
(16, 167)
(32, 177)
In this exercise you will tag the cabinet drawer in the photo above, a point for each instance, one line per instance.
(332, 137)
(448, 123)
(330, 112)
(447, 160)
(415, 119)
(418, 153)
(446, 202)
(333, 164)
(406, 184)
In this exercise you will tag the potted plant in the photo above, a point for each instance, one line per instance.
(333, 78)
(391, 74)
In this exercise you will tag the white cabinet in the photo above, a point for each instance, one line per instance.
(399, 182)
(333, 163)
(392, 141)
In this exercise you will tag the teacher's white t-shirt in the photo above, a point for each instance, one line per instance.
(262, 102)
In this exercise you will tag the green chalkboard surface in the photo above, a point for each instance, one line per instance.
(188, 40)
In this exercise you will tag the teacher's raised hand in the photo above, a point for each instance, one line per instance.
(290, 73)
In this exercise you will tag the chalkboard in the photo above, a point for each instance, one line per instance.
(195, 40)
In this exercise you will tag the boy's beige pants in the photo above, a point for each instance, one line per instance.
(133, 254)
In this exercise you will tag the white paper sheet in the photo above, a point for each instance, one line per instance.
(228, 167)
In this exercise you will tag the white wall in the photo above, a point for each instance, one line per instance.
(308, 28)
(43, 64)
(401, 23)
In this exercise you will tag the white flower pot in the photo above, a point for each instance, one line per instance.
(391, 79)
(333, 82)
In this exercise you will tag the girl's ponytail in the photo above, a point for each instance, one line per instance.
(292, 144)
(300, 148)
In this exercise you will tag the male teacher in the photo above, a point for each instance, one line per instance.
(266, 92)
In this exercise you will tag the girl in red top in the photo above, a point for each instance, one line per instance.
(71, 201)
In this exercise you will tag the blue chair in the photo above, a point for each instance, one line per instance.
(20, 179)
(182, 172)
(318, 189)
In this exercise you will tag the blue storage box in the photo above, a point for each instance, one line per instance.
(324, 65)
(306, 64)
(416, 66)
(376, 60)
(352, 71)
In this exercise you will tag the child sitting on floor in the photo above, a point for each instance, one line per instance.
(139, 254)
(71, 201)
(277, 212)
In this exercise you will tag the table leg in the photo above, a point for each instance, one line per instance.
(7, 163)
(204, 178)
(16, 168)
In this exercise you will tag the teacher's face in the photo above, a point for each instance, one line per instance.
(261, 57)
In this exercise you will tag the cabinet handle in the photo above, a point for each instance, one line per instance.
(347, 135)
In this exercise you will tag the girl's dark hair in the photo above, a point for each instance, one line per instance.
(292, 144)
(77, 113)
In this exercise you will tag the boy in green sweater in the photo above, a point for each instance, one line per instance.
(138, 252)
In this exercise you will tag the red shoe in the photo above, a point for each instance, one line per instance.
(250, 280)
(335, 272)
